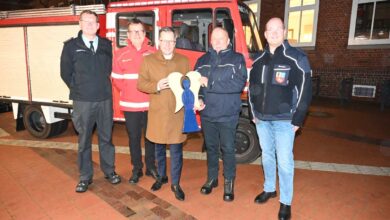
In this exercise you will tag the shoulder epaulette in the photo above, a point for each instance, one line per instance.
(67, 41)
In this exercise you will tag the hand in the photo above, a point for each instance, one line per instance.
(255, 120)
(203, 81)
(163, 84)
(201, 105)
(296, 128)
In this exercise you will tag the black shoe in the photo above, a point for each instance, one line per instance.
(113, 178)
(228, 190)
(159, 182)
(82, 186)
(284, 212)
(264, 196)
(153, 173)
(179, 194)
(164, 179)
(208, 186)
(135, 177)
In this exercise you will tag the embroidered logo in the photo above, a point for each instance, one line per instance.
(280, 77)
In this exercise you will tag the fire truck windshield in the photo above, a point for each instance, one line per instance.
(250, 28)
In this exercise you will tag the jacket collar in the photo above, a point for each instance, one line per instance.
(80, 41)
(160, 56)
(284, 46)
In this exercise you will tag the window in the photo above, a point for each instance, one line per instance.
(251, 31)
(123, 19)
(301, 20)
(254, 5)
(370, 22)
(191, 27)
(223, 19)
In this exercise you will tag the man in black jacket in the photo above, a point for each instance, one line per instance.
(86, 63)
(279, 97)
(223, 77)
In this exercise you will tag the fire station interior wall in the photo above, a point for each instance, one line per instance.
(45, 45)
(13, 72)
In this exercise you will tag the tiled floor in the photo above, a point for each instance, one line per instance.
(342, 172)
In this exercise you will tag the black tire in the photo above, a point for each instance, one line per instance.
(247, 142)
(35, 123)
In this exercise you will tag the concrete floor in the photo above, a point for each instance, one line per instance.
(342, 159)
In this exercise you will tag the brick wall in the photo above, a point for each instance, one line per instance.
(331, 59)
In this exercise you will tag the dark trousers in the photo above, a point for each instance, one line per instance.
(85, 115)
(220, 135)
(136, 124)
(176, 152)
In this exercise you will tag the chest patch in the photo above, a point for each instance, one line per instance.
(280, 75)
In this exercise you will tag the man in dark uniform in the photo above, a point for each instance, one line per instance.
(223, 79)
(86, 63)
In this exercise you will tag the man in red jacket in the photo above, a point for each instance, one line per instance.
(134, 103)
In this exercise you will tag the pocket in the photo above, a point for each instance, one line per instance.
(280, 75)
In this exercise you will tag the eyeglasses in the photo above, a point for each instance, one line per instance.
(168, 41)
(136, 32)
(89, 22)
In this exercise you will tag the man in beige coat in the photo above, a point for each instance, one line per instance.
(164, 125)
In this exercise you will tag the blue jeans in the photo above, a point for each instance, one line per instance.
(277, 141)
(176, 151)
(216, 135)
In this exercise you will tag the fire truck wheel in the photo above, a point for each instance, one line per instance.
(247, 142)
(35, 123)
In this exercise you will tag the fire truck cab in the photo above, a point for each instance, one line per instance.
(41, 101)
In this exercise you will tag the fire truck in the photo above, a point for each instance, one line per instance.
(31, 42)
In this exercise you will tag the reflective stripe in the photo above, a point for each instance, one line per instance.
(203, 66)
(227, 64)
(134, 104)
(258, 58)
(303, 74)
(124, 76)
(262, 75)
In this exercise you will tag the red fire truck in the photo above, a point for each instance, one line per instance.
(31, 43)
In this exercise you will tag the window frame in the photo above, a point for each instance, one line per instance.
(352, 27)
(117, 28)
(257, 14)
(315, 7)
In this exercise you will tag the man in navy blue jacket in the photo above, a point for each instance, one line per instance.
(86, 63)
(279, 97)
(223, 77)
